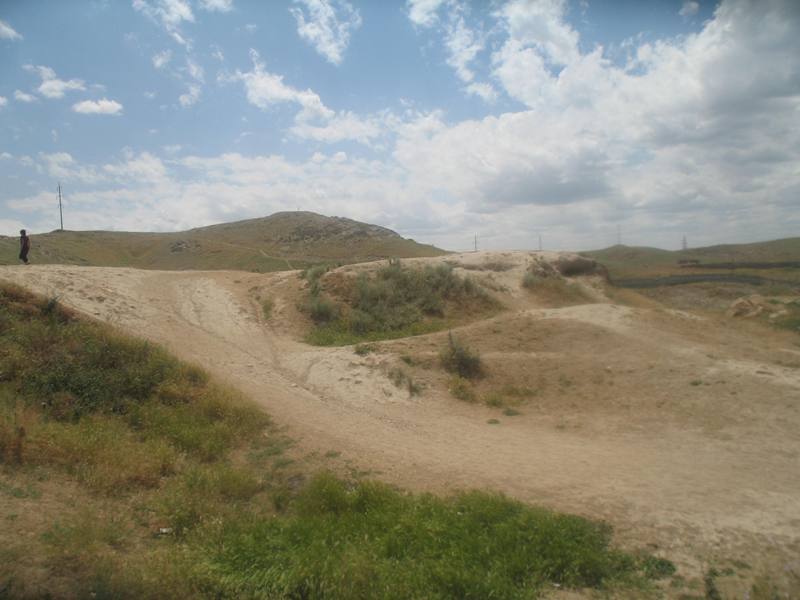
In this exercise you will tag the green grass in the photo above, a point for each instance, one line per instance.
(183, 490)
(266, 307)
(369, 540)
(395, 302)
(338, 333)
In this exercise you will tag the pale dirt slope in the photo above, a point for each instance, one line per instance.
(616, 430)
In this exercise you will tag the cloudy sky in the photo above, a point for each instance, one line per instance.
(441, 119)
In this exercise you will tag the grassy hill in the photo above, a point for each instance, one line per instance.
(284, 240)
(632, 261)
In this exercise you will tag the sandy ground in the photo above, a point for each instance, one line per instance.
(683, 431)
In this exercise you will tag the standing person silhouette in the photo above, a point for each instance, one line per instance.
(24, 246)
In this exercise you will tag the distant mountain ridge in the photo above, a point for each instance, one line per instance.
(284, 240)
(630, 261)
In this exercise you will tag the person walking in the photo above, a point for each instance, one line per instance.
(24, 246)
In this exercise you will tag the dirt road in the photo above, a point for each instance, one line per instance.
(683, 434)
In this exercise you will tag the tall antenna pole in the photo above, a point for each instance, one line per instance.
(685, 245)
(476, 242)
(60, 211)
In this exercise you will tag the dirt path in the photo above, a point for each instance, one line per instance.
(696, 470)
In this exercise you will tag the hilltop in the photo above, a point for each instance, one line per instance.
(284, 240)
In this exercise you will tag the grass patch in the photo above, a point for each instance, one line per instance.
(394, 302)
(338, 333)
(370, 541)
(458, 359)
(511, 412)
(266, 307)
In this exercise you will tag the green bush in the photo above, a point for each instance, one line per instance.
(396, 298)
(457, 358)
(323, 310)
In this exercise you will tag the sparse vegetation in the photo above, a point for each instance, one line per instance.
(402, 379)
(459, 359)
(555, 290)
(364, 349)
(395, 302)
(266, 307)
(462, 389)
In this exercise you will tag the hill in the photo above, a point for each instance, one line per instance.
(635, 261)
(281, 241)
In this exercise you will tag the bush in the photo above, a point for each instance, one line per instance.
(462, 389)
(529, 280)
(396, 299)
(323, 310)
(459, 359)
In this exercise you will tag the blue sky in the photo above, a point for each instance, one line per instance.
(440, 119)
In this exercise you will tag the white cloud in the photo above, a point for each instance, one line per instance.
(462, 42)
(21, 96)
(217, 5)
(343, 126)
(265, 90)
(7, 32)
(326, 25)
(98, 107)
(5, 156)
(251, 28)
(541, 25)
(195, 71)
(484, 91)
(462, 46)
(52, 86)
(161, 59)
(3, 101)
(191, 96)
(689, 9)
(170, 14)
(423, 12)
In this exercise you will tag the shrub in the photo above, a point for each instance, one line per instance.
(462, 389)
(529, 280)
(396, 298)
(457, 358)
(323, 310)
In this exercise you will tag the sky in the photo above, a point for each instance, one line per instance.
(577, 122)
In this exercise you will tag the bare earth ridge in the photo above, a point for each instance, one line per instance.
(681, 430)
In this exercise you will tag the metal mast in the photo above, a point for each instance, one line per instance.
(60, 211)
